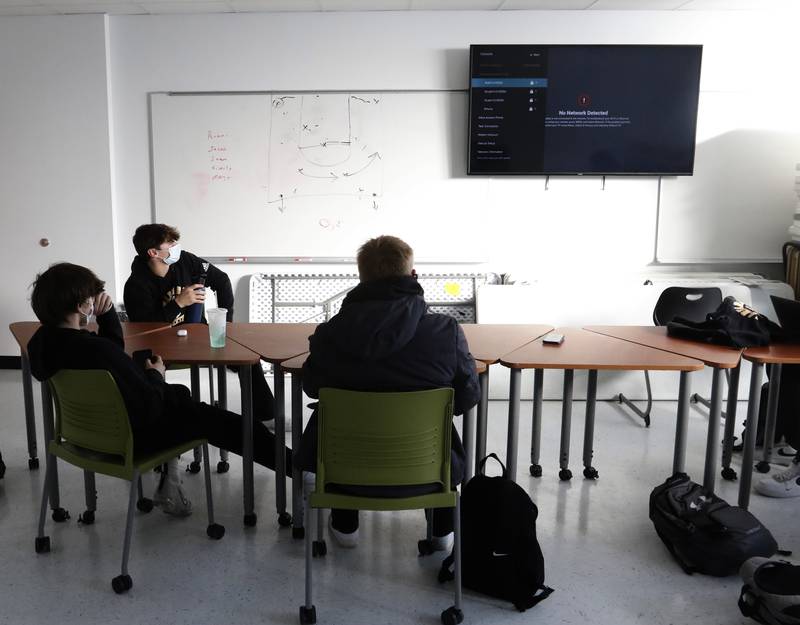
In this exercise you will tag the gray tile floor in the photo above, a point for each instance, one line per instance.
(602, 555)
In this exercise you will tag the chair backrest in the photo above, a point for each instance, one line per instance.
(690, 303)
(384, 439)
(90, 412)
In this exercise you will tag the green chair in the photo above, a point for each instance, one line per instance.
(383, 440)
(92, 432)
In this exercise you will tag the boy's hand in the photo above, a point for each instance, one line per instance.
(192, 294)
(157, 363)
(102, 303)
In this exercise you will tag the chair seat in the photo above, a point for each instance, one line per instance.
(359, 502)
(114, 465)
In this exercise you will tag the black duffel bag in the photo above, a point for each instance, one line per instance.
(702, 532)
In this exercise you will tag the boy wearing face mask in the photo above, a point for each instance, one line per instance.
(160, 414)
(165, 285)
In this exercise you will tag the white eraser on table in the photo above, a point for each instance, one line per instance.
(183, 333)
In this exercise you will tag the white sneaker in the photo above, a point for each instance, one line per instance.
(783, 484)
(347, 541)
(442, 543)
(169, 495)
(783, 454)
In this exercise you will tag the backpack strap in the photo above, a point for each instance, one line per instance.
(542, 593)
(482, 463)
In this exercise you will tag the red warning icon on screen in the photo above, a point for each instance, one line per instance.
(584, 100)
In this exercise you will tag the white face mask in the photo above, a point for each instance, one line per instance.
(85, 316)
(174, 255)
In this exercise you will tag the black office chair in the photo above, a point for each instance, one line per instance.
(677, 301)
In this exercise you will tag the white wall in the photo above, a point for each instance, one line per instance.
(54, 154)
(62, 167)
(748, 136)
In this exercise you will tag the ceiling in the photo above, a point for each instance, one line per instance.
(156, 7)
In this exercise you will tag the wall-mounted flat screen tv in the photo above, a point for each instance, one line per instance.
(583, 109)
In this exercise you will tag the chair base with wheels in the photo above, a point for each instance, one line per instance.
(383, 451)
(92, 432)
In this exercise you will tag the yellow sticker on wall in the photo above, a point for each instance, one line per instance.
(452, 288)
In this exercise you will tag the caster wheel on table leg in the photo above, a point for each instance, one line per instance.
(223, 466)
(33, 463)
(728, 474)
(60, 515)
(193, 468)
(215, 531)
(536, 470)
(452, 616)
(250, 519)
(144, 505)
(284, 519)
(590, 473)
(122, 583)
(87, 518)
(564, 475)
(762, 467)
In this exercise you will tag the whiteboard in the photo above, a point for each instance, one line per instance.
(316, 174)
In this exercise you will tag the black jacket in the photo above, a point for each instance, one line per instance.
(144, 392)
(383, 339)
(149, 297)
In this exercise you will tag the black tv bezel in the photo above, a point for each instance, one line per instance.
(581, 173)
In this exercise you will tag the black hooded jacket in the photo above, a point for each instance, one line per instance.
(383, 339)
(144, 392)
(149, 297)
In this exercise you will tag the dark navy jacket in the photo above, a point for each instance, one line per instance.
(383, 339)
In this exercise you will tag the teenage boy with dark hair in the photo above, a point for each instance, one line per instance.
(166, 284)
(384, 339)
(160, 414)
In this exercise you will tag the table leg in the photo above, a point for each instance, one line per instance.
(482, 419)
(712, 440)
(248, 488)
(468, 425)
(222, 396)
(681, 424)
(730, 424)
(536, 423)
(30, 415)
(48, 426)
(589, 471)
(749, 444)
(566, 425)
(297, 481)
(772, 416)
(194, 377)
(513, 424)
(284, 518)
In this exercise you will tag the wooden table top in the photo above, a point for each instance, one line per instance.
(777, 353)
(582, 349)
(652, 336)
(274, 342)
(194, 349)
(293, 365)
(24, 330)
(489, 341)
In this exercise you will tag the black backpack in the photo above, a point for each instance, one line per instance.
(733, 323)
(702, 532)
(500, 555)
